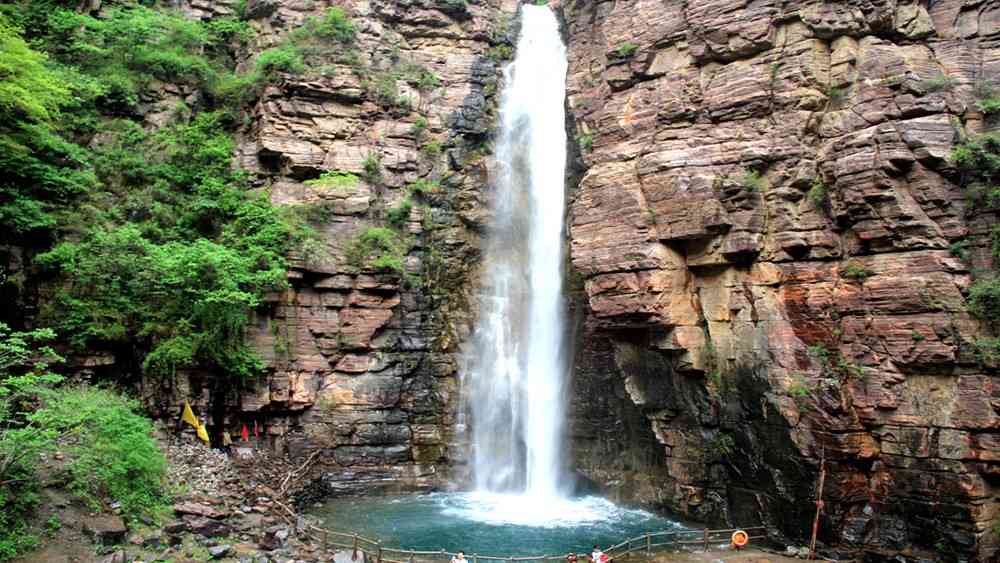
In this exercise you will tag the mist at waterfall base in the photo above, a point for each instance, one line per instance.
(491, 524)
(514, 372)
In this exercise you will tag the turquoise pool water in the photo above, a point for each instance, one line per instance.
(491, 524)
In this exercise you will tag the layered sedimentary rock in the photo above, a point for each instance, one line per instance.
(770, 236)
(362, 360)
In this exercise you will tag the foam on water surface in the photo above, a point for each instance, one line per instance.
(490, 523)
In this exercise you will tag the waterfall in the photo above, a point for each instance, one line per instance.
(515, 369)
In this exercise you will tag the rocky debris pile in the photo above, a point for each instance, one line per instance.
(227, 508)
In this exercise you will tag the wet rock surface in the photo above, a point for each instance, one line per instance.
(762, 234)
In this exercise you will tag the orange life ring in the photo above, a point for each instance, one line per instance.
(740, 538)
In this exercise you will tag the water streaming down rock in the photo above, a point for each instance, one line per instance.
(515, 371)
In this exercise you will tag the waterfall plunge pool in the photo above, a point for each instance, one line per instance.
(489, 523)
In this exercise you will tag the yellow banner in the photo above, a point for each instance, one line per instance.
(203, 434)
(188, 416)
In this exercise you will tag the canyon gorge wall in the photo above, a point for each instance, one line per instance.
(769, 254)
(774, 247)
(363, 361)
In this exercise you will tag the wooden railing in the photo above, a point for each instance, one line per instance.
(646, 544)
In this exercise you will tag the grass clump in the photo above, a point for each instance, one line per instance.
(372, 165)
(500, 53)
(424, 186)
(978, 159)
(939, 83)
(752, 181)
(378, 248)
(431, 149)
(819, 194)
(855, 270)
(987, 97)
(336, 179)
(626, 50)
(400, 213)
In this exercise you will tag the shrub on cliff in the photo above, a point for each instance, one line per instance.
(111, 451)
(978, 160)
(24, 374)
(176, 264)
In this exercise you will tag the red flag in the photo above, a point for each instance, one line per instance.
(245, 434)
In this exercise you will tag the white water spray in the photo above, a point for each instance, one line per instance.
(515, 374)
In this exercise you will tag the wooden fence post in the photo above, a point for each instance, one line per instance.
(649, 544)
(706, 539)
(379, 545)
(354, 554)
(475, 558)
(325, 534)
(411, 557)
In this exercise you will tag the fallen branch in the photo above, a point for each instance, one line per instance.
(296, 473)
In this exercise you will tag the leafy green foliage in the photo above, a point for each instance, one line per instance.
(400, 213)
(939, 83)
(979, 161)
(336, 180)
(819, 194)
(720, 446)
(39, 166)
(419, 76)
(373, 168)
(24, 374)
(960, 249)
(419, 126)
(626, 50)
(378, 248)
(431, 149)
(424, 186)
(799, 389)
(752, 181)
(987, 97)
(585, 141)
(500, 53)
(984, 299)
(112, 452)
(855, 270)
(177, 266)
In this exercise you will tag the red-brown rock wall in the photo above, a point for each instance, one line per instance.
(362, 363)
(766, 228)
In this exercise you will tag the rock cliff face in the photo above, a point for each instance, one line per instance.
(763, 227)
(769, 245)
(363, 361)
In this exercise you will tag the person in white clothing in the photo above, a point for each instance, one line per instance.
(459, 557)
(598, 556)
